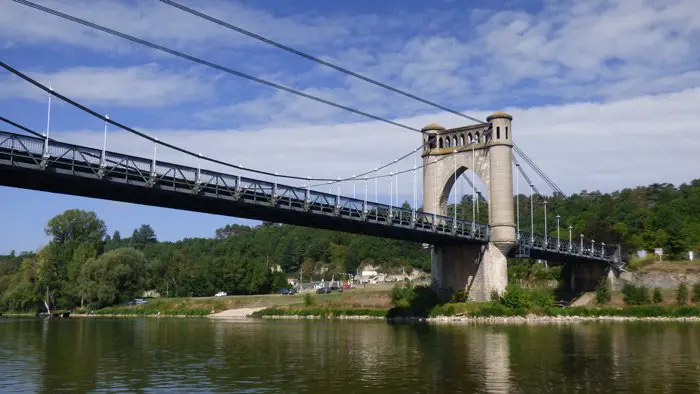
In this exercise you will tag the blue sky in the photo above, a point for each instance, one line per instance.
(594, 87)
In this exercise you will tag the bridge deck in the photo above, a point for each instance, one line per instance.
(82, 171)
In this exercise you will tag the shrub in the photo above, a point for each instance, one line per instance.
(541, 297)
(309, 300)
(494, 296)
(657, 298)
(635, 295)
(402, 296)
(682, 294)
(696, 292)
(602, 293)
(515, 297)
(460, 296)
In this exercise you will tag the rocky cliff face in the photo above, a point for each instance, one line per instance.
(660, 279)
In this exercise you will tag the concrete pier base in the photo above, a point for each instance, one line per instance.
(478, 269)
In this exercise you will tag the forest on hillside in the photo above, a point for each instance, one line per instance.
(83, 265)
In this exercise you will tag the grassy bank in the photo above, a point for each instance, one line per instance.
(489, 309)
(421, 302)
(375, 297)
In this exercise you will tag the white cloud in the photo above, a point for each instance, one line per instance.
(153, 20)
(146, 85)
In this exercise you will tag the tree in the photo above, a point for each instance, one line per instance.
(657, 297)
(76, 225)
(682, 294)
(602, 293)
(696, 292)
(291, 258)
(279, 281)
(114, 277)
(143, 236)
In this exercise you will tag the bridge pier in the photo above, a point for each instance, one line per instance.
(585, 276)
(477, 269)
(486, 150)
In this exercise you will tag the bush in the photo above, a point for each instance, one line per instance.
(541, 297)
(696, 292)
(602, 293)
(657, 298)
(309, 300)
(635, 295)
(494, 296)
(402, 296)
(460, 296)
(682, 294)
(515, 297)
(412, 301)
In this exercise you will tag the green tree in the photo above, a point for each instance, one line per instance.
(515, 297)
(291, 258)
(143, 236)
(657, 298)
(603, 292)
(75, 225)
(682, 294)
(279, 281)
(114, 277)
(696, 292)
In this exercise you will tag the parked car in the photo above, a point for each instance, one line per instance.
(140, 301)
(288, 291)
(323, 290)
(220, 294)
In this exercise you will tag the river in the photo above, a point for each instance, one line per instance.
(199, 355)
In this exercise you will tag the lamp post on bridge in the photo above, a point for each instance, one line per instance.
(592, 247)
(454, 188)
(48, 126)
(546, 237)
(353, 186)
(532, 214)
(570, 228)
(364, 207)
(391, 194)
(376, 180)
(602, 249)
(104, 143)
(558, 237)
(396, 184)
(517, 200)
(581, 251)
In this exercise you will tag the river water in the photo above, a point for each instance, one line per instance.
(199, 355)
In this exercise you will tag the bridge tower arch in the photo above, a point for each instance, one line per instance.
(485, 149)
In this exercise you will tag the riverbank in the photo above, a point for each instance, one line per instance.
(492, 312)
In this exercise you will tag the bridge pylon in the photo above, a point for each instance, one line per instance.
(486, 149)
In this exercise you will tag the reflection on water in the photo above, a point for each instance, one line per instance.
(180, 355)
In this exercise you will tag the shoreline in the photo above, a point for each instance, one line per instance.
(530, 319)
(438, 320)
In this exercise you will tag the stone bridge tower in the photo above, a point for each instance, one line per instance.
(486, 149)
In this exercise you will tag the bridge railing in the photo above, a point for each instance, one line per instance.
(117, 167)
(90, 162)
(538, 242)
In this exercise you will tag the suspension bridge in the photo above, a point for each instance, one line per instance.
(465, 254)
